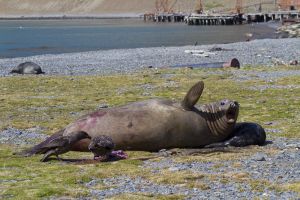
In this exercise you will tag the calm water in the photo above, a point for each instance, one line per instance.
(32, 37)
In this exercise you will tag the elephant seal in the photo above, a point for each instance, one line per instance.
(27, 68)
(243, 134)
(156, 124)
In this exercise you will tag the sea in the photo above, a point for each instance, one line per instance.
(21, 38)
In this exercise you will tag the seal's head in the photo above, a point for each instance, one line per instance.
(221, 116)
(229, 108)
(101, 146)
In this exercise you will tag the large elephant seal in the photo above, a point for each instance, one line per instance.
(27, 68)
(157, 124)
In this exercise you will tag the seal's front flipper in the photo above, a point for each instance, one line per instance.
(48, 154)
(192, 96)
(218, 145)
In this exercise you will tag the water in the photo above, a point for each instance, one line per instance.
(19, 38)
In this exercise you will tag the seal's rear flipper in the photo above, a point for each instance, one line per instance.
(192, 96)
(37, 149)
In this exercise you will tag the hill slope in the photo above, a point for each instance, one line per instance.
(97, 7)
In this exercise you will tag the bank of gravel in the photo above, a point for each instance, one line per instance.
(257, 52)
(279, 168)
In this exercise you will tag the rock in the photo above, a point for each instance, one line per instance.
(293, 62)
(295, 146)
(174, 169)
(103, 106)
(91, 183)
(259, 157)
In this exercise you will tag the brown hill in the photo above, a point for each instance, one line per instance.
(99, 7)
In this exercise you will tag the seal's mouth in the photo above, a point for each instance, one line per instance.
(232, 112)
(111, 156)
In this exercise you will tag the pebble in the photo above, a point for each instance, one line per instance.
(259, 157)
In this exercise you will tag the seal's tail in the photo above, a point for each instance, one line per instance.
(37, 149)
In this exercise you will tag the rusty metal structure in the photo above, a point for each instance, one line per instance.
(167, 6)
(289, 4)
(164, 6)
(199, 7)
(239, 6)
(284, 4)
(234, 63)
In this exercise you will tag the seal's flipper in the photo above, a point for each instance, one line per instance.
(37, 149)
(48, 154)
(192, 96)
(218, 145)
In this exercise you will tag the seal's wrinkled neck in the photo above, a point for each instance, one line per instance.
(220, 116)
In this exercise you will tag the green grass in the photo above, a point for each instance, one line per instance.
(52, 102)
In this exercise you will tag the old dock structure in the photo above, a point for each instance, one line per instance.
(276, 15)
(214, 19)
(233, 19)
(164, 17)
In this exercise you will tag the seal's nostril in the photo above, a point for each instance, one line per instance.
(91, 148)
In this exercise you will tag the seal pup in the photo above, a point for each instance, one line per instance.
(27, 68)
(101, 146)
(244, 134)
(103, 149)
(156, 124)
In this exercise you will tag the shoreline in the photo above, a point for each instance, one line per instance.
(62, 16)
(267, 52)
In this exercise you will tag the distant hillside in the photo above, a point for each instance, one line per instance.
(98, 7)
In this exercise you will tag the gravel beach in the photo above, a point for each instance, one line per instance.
(281, 167)
(257, 52)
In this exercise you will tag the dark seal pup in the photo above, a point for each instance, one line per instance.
(243, 134)
(27, 68)
(157, 124)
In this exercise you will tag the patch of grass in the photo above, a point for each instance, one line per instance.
(293, 187)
